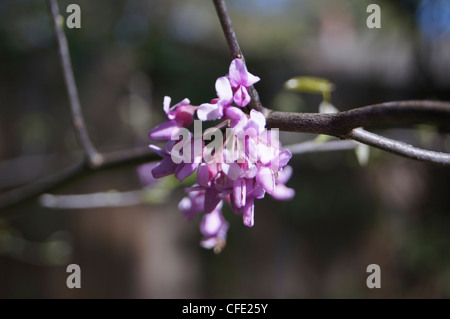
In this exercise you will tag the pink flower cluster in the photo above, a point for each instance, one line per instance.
(254, 165)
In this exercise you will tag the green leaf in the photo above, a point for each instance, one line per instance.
(322, 138)
(309, 84)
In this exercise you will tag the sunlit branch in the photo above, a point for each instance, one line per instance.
(313, 146)
(398, 147)
(340, 124)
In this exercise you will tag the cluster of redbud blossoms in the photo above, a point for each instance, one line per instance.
(237, 168)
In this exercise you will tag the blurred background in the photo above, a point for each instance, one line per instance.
(126, 57)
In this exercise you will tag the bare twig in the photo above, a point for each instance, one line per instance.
(399, 148)
(31, 190)
(313, 146)
(94, 157)
(235, 50)
(95, 200)
(114, 159)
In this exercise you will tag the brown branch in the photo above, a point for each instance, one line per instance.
(31, 190)
(340, 124)
(111, 160)
(235, 50)
(346, 125)
(94, 157)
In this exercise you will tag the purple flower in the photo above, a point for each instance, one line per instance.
(180, 115)
(215, 109)
(238, 119)
(281, 192)
(241, 80)
(167, 167)
(192, 204)
(214, 230)
(206, 173)
(254, 165)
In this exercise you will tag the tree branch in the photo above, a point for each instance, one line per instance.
(340, 124)
(235, 50)
(313, 146)
(31, 190)
(399, 148)
(111, 160)
(347, 125)
(94, 157)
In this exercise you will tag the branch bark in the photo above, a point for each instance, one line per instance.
(94, 157)
(342, 123)
(235, 49)
(111, 160)
(399, 148)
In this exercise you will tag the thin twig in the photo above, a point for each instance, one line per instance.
(114, 159)
(399, 148)
(313, 146)
(235, 50)
(31, 190)
(94, 157)
(94, 200)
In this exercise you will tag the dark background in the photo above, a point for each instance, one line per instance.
(128, 55)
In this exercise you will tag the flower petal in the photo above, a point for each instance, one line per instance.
(211, 223)
(184, 170)
(251, 79)
(265, 153)
(248, 214)
(212, 199)
(259, 119)
(171, 114)
(281, 192)
(237, 117)
(281, 160)
(158, 150)
(164, 168)
(232, 170)
(239, 75)
(166, 104)
(164, 131)
(184, 115)
(209, 112)
(284, 174)
(241, 96)
(185, 206)
(239, 192)
(237, 72)
(266, 179)
(224, 91)
(203, 175)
